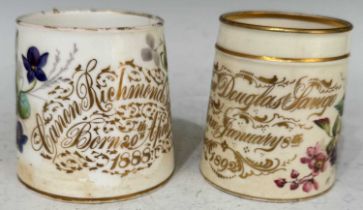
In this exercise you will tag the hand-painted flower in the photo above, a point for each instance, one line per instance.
(294, 174)
(21, 139)
(155, 52)
(34, 63)
(316, 159)
(294, 185)
(280, 182)
(309, 185)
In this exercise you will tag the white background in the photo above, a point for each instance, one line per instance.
(191, 30)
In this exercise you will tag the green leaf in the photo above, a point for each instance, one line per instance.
(331, 145)
(340, 106)
(323, 123)
(331, 149)
(23, 105)
(337, 126)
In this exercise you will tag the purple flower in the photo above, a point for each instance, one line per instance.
(21, 139)
(33, 63)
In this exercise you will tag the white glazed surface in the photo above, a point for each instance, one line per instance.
(278, 44)
(88, 19)
(110, 49)
(290, 130)
(255, 182)
(190, 94)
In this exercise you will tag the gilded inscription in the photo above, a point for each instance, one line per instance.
(246, 121)
(116, 121)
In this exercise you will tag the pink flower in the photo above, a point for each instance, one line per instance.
(294, 185)
(316, 159)
(309, 185)
(311, 151)
(280, 182)
(294, 174)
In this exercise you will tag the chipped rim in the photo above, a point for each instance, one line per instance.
(337, 25)
(158, 21)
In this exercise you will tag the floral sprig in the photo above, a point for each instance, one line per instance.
(55, 74)
(308, 182)
(33, 63)
(316, 160)
(155, 52)
(332, 131)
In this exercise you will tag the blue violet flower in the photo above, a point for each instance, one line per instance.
(33, 63)
(21, 139)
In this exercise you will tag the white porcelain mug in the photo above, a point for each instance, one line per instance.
(276, 105)
(93, 104)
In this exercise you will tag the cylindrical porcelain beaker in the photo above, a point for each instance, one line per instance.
(93, 104)
(276, 105)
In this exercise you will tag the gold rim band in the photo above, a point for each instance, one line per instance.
(250, 197)
(280, 59)
(158, 21)
(96, 200)
(337, 25)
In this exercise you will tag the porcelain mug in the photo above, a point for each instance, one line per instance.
(93, 104)
(276, 105)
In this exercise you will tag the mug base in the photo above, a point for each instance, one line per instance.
(97, 200)
(271, 200)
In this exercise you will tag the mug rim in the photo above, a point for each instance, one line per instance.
(337, 25)
(157, 21)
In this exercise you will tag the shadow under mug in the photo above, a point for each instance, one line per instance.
(276, 105)
(93, 104)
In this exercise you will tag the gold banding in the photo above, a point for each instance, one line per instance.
(337, 25)
(22, 21)
(96, 200)
(280, 59)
